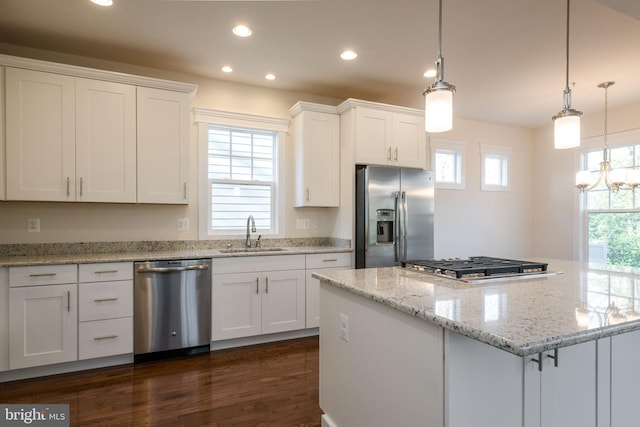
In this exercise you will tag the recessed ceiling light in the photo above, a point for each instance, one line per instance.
(227, 69)
(430, 73)
(270, 76)
(242, 31)
(102, 2)
(348, 55)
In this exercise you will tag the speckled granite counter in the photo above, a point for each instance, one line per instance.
(82, 253)
(522, 317)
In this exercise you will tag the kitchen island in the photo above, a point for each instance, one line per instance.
(399, 347)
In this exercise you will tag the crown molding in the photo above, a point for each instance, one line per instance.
(353, 103)
(240, 119)
(92, 73)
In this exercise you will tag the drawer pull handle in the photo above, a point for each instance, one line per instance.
(330, 260)
(257, 285)
(68, 300)
(106, 272)
(42, 275)
(267, 285)
(105, 299)
(106, 337)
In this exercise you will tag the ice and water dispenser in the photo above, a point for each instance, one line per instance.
(385, 222)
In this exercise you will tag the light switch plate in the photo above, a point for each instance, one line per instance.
(183, 224)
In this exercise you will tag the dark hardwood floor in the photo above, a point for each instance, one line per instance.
(272, 384)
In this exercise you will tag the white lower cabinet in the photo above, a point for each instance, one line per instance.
(320, 263)
(257, 295)
(625, 377)
(486, 386)
(43, 318)
(106, 310)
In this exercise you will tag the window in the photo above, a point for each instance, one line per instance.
(241, 170)
(239, 175)
(612, 219)
(495, 168)
(447, 158)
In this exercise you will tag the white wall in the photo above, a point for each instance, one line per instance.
(556, 199)
(472, 222)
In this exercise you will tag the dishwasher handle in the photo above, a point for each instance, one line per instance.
(172, 269)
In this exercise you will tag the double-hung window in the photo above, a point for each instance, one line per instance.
(611, 219)
(240, 177)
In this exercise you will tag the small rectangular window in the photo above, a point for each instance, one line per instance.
(447, 160)
(495, 167)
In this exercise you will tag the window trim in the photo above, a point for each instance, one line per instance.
(203, 118)
(460, 148)
(495, 150)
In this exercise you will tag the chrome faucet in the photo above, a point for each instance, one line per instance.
(251, 221)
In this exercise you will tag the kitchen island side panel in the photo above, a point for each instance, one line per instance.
(389, 372)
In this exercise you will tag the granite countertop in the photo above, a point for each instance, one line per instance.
(188, 253)
(522, 317)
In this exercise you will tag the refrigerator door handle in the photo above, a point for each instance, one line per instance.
(403, 227)
(397, 232)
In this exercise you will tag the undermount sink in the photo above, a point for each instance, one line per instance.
(248, 250)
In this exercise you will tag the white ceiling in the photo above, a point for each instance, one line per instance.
(506, 57)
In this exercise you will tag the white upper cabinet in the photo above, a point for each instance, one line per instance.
(316, 132)
(40, 113)
(69, 139)
(385, 134)
(163, 146)
(105, 141)
(2, 167)
(86, 135)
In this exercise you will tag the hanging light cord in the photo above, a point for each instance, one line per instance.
(567, 90)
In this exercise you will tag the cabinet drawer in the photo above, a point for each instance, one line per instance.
(43, 275)
(104, 272)
(342, 259)
(105, 338)
(105, 300)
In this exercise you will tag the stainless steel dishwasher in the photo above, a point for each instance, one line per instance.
(172, 308)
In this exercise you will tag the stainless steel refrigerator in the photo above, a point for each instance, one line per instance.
(394, 215)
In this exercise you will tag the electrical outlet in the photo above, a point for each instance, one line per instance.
(344, 327)
(302, 224)
(183, 224)
(33, 225)
(305, 224)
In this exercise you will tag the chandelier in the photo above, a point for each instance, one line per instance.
(614, 179)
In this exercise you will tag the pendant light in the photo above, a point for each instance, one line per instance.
(438, 109)
(566, 124)
(613, 179)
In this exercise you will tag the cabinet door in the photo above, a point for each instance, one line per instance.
(568, 391)
(236, 310)
(105, 141)
(373, 136)
(283, 301)
(40, 114)
(320, 263)
(163, 146)
(317, 159)
(3, 195)
(409, 140)
(44, 325)
(625, 376)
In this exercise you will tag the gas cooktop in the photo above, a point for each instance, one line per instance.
(478, 267)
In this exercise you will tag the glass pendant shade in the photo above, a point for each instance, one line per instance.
(438, 110)
(566, 131)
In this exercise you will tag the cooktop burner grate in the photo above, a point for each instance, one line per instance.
(479, 266)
